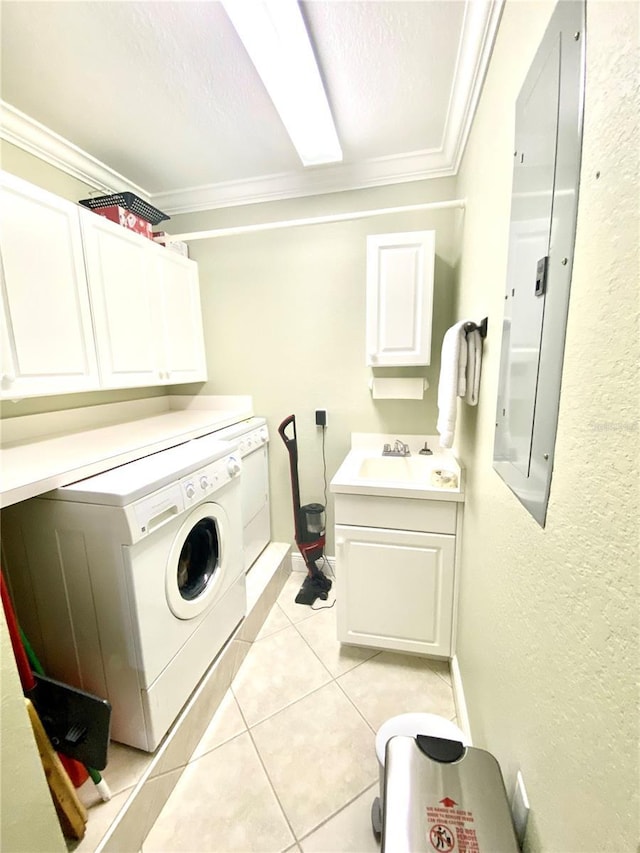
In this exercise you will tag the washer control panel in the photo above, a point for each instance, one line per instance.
(206, 481)
(253, 440)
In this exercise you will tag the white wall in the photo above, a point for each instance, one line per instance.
(548, 626)
(284, 317)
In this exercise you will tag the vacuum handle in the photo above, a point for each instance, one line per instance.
(282, 429)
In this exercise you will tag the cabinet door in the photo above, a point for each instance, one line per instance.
(399, 298)
(122, 283)
(47, 337)
(184, 357)
(395, 589)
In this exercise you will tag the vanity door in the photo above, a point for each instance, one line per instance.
(395, 589)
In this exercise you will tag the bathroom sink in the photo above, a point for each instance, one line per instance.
(412, 468)
(365, 471)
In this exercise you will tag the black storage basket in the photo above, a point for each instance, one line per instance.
(130, 202)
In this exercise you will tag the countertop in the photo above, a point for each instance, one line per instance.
(419, 484)
(42, 452)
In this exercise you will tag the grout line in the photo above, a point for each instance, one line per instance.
(447, 681)
(266, 772)
(355, 706)
(271, 785)
(339, 675)
(337, 812)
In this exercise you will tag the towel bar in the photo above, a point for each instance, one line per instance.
(481, 327)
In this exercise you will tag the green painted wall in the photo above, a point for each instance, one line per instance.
(548, 623)
(284, 317)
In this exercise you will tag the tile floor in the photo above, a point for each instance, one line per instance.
(288, 762)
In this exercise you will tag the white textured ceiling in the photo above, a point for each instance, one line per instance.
(163, 96)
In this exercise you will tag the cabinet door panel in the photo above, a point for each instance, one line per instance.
(48, 338)
(395, 589)
(121, 281)
(400, 269)
(184, 355)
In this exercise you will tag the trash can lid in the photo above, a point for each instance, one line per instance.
(417, 724)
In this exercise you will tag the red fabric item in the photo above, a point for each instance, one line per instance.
(76, 771)
(24, 670)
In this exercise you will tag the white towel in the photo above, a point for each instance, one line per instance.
(474, 364)
(453, 363)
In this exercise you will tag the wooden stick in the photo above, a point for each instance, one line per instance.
(71, 813)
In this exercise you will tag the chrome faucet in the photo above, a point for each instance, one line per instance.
(399, 449)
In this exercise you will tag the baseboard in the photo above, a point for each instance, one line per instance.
(459, 700)
(298, 564)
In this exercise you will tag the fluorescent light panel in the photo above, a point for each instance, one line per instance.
(275, 37)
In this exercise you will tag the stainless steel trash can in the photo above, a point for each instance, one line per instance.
(442, 796)
(408, 724)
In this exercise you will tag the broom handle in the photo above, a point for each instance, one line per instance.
(292, 446)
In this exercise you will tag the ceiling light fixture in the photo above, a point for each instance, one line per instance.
(275, 37)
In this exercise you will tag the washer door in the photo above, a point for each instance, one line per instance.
(196, 564)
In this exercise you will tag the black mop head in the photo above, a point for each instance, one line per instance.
(315, 586)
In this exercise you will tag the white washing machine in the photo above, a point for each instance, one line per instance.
(129, 583)
(252, 437)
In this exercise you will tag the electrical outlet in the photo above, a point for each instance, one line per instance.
(321, 417)
(520, 809)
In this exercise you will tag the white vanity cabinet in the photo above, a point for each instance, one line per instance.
(400, 271)
(146, 308)
(47, 335)
(395, 573)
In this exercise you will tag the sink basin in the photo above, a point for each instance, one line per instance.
(364, 471)
(415, 469)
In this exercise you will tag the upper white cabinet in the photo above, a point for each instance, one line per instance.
(87, 304)
(47, 336)
(120, 273)
(400, 271)
(183, 357)
(146, 308)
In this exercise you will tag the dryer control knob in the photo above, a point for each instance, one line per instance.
(233, 466)
(204, 482)
(190, 490)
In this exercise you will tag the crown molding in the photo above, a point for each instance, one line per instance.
(479, 30)
(313, 181)
(28, 134)
(480, 26)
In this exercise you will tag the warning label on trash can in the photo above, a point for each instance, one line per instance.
(451, 829)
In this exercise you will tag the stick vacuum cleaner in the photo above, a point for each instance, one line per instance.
(309, 526)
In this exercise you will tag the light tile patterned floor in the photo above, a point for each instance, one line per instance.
(288, 762)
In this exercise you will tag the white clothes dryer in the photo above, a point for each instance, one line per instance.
(252, 437)
(129, 583)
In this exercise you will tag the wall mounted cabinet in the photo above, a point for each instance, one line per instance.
(47, 335)
(400, 270)
(146, 308)
(87, 305)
